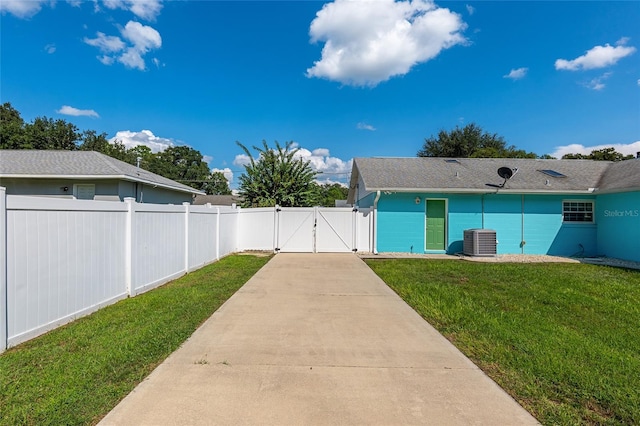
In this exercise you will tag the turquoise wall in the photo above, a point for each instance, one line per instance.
(545, 233)
(401, 223)
(503, 213)
(618, 218)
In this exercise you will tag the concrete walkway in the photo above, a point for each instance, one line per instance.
(317, 339)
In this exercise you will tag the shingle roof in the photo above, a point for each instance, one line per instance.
(480, 174)
(79, 164)
(623, 175)
(217, 200)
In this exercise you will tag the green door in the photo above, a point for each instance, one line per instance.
(436, 226)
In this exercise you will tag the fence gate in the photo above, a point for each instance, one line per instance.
(316, 229)
(295, 229)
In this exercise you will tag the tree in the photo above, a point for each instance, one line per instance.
(142, 156)
(277, 176)
(330, 192)
(182, 164)
(470, 141)
(216, 184)
(47, 133)
(12, 134)
(604, 154)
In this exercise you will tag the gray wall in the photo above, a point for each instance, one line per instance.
(106, 190)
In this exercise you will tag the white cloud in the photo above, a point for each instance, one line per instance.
(106, 44)
(226, 172)
(241, 160)
(142, 37)
(69, 110)
(626, 149)
(144, 9)
(365, 126)
(370, 41)
(470, 9)
(597, 57)
(517, 73)
(598, 82)
(321, 161)
(639, 82)
(22, 8)
(138, 40)
(144, 137)
(50, 48)
(107, 60)
(131, 58)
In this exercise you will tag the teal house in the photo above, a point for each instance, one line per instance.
(575, 208)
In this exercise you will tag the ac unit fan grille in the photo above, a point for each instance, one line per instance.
(479, 242)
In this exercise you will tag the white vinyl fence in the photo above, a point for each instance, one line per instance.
(61, 259)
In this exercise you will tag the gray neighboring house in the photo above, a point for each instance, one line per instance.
(217, 200)
(86, 175)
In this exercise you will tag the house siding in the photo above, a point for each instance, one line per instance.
(465, 212)
(546, 233)
(530, 224)
(400, 224)
(618, 219)
(503, 213)
(105, 190)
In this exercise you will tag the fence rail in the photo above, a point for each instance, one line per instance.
(61, 259)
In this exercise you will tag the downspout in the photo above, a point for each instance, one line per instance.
(483, 210)
(375, 222)
(522, 241)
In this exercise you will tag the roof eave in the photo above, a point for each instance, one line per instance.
(618, 190)
(103, 177)
(486, 191)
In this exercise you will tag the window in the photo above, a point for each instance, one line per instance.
(577, 211)
(84, 191)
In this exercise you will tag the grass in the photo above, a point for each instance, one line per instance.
(562, 339)
(77, 373)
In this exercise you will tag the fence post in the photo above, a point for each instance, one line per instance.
(276, 229)
(354, 230)
(217, 233)
(186, 236)
(4, 308)
(128, 246)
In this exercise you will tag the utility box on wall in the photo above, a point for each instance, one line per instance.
(480, 242)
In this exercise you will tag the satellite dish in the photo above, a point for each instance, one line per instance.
(505, 173)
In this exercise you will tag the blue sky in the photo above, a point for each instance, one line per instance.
(342, 79)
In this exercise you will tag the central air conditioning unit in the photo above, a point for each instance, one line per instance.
(480, 242)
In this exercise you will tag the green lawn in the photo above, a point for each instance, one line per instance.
(562, 339)
(76, 374)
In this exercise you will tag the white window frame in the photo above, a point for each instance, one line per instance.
(86, 186)
(585, 211)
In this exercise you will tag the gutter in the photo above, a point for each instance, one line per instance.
(375, 223)
(485, 191)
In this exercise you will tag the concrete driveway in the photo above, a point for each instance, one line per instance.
(317, 339)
